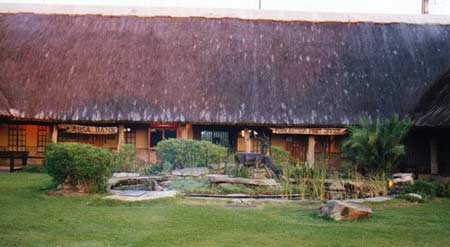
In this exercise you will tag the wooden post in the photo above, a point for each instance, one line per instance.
(311, 149)
(434, 168)
(185, 131)
(55, 133)
(248, 141)
(121, 136)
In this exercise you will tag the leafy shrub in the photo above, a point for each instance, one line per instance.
(75, 164)
(183, 153)
(378, 146)
(347, 168)
(429, 188)
(124, 160)
(442, 189)
(280, 157)
(422, 187)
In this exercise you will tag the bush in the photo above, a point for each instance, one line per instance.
(280, 157)
(442, 189)
(124, 160)
(378, 146)
(79, 164)
(183, 153)
(422, 187)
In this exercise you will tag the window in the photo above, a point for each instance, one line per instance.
(130, 136)
(157, 135)
(43, 138)
(16, 138)
(216, 137)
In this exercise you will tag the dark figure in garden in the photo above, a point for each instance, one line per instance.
(255, 159)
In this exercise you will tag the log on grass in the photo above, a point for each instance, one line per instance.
(217, 179)
(135, 180)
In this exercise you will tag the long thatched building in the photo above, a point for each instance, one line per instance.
(140, 76)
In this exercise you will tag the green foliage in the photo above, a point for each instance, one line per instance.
(348, 169)
(442, 189)
(190, 185)
(162, 167)
(75, 163)
(280, 157)
(377, 146)
(124, 160)
(190, 153)
(430, 188)
(422, 187)
(244, 172)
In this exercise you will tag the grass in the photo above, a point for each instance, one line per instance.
(29, 217)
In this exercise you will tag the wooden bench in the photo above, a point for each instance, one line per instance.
(12, 156)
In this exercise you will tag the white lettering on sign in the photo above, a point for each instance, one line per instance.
(89, 130)
(310, 131)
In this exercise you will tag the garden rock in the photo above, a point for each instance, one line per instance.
(339, 210)
(191, 172)
(217, 168)
(414, 197)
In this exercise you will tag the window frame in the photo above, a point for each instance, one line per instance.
(17, 137)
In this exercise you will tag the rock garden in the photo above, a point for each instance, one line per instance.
(201, 169)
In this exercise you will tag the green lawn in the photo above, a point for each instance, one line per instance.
(29, 217)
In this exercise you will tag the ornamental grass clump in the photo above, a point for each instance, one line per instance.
(80, 167)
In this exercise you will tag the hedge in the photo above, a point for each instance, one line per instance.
(181, 153)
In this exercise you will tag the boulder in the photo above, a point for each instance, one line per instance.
(191, 172)
(417, 196)
(218, 168)
(340, 210)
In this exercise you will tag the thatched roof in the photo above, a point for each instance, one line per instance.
(226, 70)
(434, 106)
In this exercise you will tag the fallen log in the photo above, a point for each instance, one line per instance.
(217, 179)
(112, 182)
